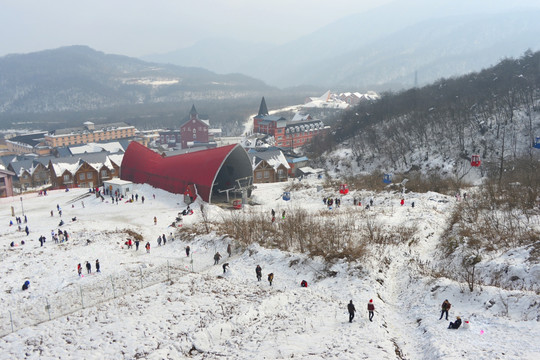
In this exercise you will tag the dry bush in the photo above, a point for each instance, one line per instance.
(133, 234)
(297, 185)
(331, 237)
(432, 181)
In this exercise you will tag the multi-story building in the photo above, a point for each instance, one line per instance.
(169, 137)
(32, 173)
(194, 130)
(33, 143)
(89, 170)
(6, 182)
(89, 133)
(269, 165)
(287, 134)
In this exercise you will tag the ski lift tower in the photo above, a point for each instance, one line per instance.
(403, 186)
(244, 186)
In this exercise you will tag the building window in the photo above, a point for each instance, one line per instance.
(89, 175)
(103, 173)
(194, 136)
(112, 171)
(81, 176)
(258, 175)
(266, 174)
(66, 177)
(194, 130)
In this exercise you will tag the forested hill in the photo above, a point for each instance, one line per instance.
(494, 113)
(78, 78)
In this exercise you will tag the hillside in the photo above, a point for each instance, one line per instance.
(164, 305)
(437, 128)
(78, 78)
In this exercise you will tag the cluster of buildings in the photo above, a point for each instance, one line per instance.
(87, 156)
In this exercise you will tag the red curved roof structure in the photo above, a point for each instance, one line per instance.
(211, 171)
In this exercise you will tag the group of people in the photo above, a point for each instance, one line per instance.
(258, 273)
(329, 202)
(444, 311)
(273, 212)
(217, 255)
(352, 310)
(88, 267)
(163, 239)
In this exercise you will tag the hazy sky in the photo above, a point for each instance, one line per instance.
(140, 27)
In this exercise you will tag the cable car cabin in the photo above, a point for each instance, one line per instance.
(237, 204)
(537, 142)
(387, 178)
(343, 189)
(286, 196)
(475, 160)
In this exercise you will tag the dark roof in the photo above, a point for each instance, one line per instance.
(6, 159)
(270, 118)
(16, 166)
(63, 152)
(193, 111)
(30, 139)
(263, 110)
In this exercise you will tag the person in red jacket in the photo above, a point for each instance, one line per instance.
(371, 309)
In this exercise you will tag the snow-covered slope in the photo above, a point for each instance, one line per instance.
(153, 306)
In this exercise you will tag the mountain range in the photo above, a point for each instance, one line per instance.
(380, 49)
(78, 78)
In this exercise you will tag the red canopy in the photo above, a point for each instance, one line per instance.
(209, 170)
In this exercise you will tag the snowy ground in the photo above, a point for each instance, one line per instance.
(152, 306)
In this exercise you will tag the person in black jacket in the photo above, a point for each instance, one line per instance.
(444, 309)
(456, 324)
(352, 310)
(258, 271)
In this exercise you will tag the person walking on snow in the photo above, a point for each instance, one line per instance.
(97, 265)
(402, 202)
(352, 310)
(258, 271)
(217, 256)
(270, 278)
(147, 247)
(229, 250)
(187, 250)
(88, 267)
(136, 245)
(159, 240)
(371, 309)
(225, 267)
(444, 309)
(283, 214)
(79, 269)
(155, 220)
